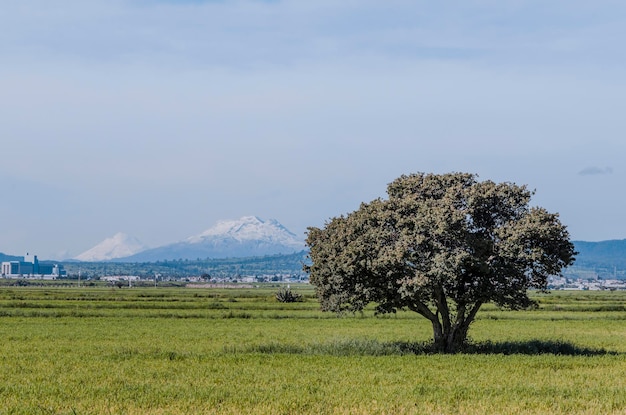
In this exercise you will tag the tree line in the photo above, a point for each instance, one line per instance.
(219, 267)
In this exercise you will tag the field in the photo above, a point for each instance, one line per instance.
(229, 351)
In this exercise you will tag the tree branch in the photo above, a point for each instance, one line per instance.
(442, 306)
(423, 310)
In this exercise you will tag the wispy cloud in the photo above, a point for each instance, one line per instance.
(236, 33)
(594, 171)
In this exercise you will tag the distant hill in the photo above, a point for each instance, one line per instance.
(248, 236)
(118, 246)
(5, 257)
(290, 264)
(604, 254)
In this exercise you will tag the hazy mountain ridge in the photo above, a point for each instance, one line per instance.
(289, 264)
(4, 257)
(248, 236)
(118, 246)
(602, 254)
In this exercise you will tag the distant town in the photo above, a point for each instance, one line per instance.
(590, 284)
(277, 268)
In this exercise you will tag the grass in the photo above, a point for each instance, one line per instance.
(182, 351)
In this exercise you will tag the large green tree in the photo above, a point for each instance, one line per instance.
(442, 246)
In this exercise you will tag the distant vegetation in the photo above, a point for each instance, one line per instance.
(269, 265)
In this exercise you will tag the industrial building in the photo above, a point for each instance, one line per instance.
(31, 267)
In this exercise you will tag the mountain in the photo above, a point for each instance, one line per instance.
(5, 257)
(604, 254)
(245, 237)
(118, 246)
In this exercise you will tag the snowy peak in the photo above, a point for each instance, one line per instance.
(119, 245)
(248, 228)
(244, 237)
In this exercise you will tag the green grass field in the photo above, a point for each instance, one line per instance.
(231, 351)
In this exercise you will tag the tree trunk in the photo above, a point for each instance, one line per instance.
(449, 338)
(456, 338)
(448, 341)
(439, 338)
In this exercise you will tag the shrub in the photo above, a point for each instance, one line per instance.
(285, 295)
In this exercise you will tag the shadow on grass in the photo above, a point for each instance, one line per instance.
(364, 347)
(534, 347)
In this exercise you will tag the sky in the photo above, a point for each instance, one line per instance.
(158, 118)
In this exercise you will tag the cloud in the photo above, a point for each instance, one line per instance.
(594, 171)
(236, 34)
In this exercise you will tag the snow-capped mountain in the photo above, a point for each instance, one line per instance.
(248, 228)
(118, 246)
(248, 236)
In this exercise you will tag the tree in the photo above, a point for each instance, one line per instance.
(441, 246)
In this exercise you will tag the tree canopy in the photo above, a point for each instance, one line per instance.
(442, 246)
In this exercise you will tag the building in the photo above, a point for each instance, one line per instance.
(31, 267)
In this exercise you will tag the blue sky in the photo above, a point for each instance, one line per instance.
(158, 118)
